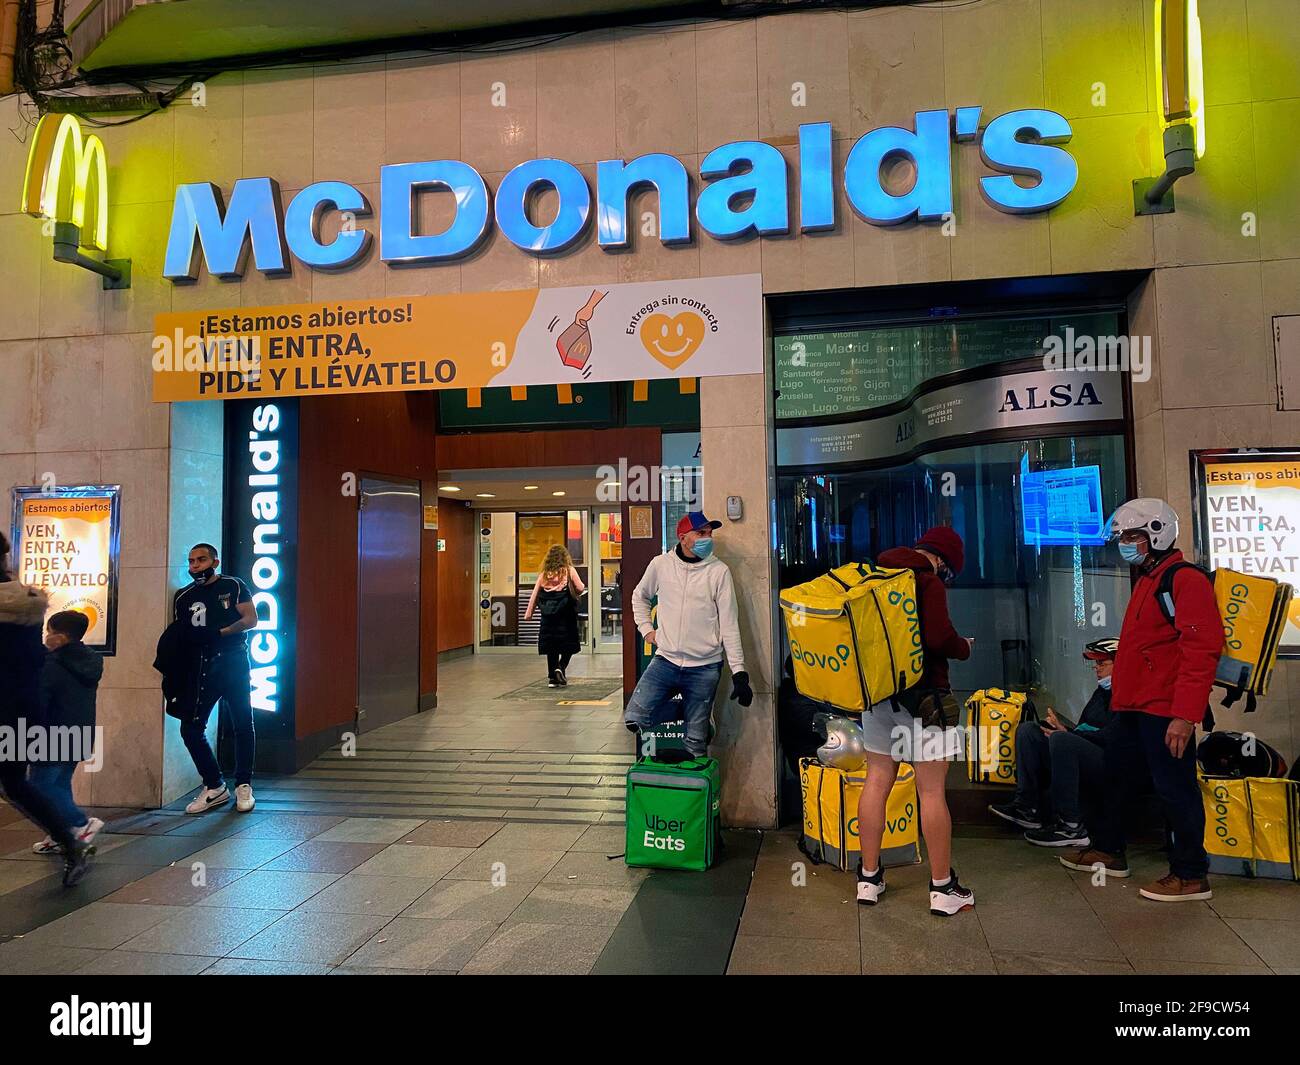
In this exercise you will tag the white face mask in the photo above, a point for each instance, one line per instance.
(1103, 682)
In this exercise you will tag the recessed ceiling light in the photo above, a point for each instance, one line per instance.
(449, 488)
(530, 488)
(485, 495)
(557, 493)
(611, 484)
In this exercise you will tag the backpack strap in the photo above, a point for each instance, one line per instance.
(1165, 601)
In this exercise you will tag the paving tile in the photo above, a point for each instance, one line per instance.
(370, 830)
(313, 856)
(774, 955)
(901, 936)
(376, 970)
(138, 963)
(1266, 899)
(409, 943)
(1176, 932)
(444, 833)
(580, 904)
(14, 875)
(491, 862)
(604, 839)
(259, 967)
(290, 826)
(208, 931)
(403, 859)
(218, 823)
(158, 850)
(241, 852)
(1019, 963)
(101, 925)
(315, 938)
(469, 900)
(540, 950)
(594, 867)
(1276, 941)
(42, 901)
(149, 823)
(22, 957)
(1154, 967)
(357, 894)
(104, 845)
(269, 889)
(177, 885)
(1066, 929)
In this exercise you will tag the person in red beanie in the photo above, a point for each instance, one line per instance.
(920, 728)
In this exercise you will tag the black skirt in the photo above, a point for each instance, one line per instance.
(559, 624)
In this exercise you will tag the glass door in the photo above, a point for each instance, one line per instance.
(606, 594)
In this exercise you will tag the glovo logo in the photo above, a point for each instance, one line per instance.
(813, 660)
(67, 179)
(672, 340)
(1237, 596)
(1221, 816)
(916, 652)
(893, 825)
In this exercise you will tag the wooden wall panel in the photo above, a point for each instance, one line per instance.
(457, 578)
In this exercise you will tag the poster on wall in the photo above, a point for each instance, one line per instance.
(1248, 518)
(65, 542)
(538, 533)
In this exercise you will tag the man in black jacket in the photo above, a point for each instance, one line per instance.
(69, 682)
(1064, 759)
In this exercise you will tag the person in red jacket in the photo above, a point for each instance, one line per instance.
(919, 727)
(1168, 653)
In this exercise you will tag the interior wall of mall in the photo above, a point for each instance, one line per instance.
(75, 361)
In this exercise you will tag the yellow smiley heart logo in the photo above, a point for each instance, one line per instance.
(672, 340)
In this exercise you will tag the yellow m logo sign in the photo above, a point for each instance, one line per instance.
(67, 176)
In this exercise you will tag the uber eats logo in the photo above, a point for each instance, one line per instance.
(655, 825)
(814, 660)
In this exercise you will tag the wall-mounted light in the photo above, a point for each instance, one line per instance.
(1180, 102)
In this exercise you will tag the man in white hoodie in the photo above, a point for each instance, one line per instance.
(697, 624)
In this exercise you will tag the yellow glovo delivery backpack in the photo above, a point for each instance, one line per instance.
(1252, 825)
(830, 816)
(993, 715)
(855, 635)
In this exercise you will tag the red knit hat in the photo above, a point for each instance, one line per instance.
(944, 542)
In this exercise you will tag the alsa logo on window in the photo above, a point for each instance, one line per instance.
(67, 179)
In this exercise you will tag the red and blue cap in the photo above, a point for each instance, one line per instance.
(693, 521)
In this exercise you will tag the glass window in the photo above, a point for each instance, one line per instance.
(1037, 584)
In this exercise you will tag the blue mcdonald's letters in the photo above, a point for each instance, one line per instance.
(745, 190)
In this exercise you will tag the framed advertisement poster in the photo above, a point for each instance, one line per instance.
(65, 542)
(1247, 517)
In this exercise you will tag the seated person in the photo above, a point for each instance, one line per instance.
(1065, 760)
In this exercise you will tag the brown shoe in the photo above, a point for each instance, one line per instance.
(1087, 860)
(1172, 888)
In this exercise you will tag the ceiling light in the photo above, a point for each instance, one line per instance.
(449, 488)
(557, 493)
(485, 495)
(530, 488)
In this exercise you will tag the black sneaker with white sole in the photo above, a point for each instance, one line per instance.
(870, 888)
(1061, 834)
(561, 679)
(1017, 814)
(553, 679)
(951, 898)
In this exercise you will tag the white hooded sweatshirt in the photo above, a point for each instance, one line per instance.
(696, 614)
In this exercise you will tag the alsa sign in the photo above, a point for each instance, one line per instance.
(745, 190)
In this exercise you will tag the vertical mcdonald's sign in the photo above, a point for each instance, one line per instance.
(67, 183)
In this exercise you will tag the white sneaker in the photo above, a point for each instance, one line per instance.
(951, 898)
(90, 830)
(206, 799)
(244, 800)
(870, 888)
(46, 846)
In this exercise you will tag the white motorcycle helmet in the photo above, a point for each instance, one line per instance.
(1154, 517)
(843, 748)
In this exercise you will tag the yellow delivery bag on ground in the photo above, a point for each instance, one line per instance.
(830, 816)
(992, 717)
(1254, 612)
(855, 635)
(1252, 825)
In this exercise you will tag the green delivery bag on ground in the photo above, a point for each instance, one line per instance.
(673, 813)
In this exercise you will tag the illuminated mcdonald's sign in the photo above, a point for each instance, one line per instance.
(63, 168)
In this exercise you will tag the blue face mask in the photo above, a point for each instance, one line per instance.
(1130, 554)
(703, 547)
(1103, 682)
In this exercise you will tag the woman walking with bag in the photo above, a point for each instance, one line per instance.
(556, 595)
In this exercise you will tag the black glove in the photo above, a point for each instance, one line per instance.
(740, 689)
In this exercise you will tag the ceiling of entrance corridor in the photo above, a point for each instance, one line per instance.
(123, 34)
(506, 487)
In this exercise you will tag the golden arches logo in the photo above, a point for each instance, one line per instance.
(63, 169)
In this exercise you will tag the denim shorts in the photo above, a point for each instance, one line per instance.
(899, 735)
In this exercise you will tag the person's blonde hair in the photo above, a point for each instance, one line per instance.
(557, 562)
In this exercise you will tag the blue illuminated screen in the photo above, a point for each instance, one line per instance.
(1062, 507)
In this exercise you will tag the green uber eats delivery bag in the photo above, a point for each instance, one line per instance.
(673, 813)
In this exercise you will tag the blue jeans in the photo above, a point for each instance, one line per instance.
(651, 703)
(54, 781)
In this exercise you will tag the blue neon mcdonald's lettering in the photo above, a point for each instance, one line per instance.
(930, 196)
(763, 183)
(302, 225)
(254, 212)
(615, 179)
(1003, 148)
(570, 216)
(398, 183)
(745, 189)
